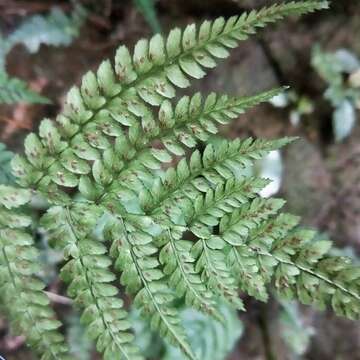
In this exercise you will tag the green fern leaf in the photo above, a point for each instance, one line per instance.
(6, 177)
(210, 339)
(212, 265)
(14, 90)
(142, 276)
(155, 68)
(55, 29)
(89, 278)
(218, 163)
(21, 291)
(110, 144)
(316, 278)
(183, 278)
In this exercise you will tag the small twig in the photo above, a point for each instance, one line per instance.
(58, 299)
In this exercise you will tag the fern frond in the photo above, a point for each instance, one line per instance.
(134, 159)
(21, 291)
(217, 163)
(183, 126)
(159, 64)
(179, 265)
(131, 156)
(210, 209)
(299, 266)
(306, 271)
(149, 75)
(55, 29)
(262, 237)
(6, 177)
(210, 339)
(142, 277)
(206, 213)
(234, 230)
(14, 90)
(89, 278)
(239, 264)
(110, 144)
(211, 264)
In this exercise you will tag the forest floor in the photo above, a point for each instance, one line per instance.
(321, 180)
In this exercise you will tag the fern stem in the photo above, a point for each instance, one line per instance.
(8, 267)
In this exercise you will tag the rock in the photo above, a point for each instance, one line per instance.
(307, 182)
(344, 218)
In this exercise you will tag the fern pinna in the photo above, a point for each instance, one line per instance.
(110, 145)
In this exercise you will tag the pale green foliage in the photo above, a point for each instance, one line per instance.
(210, 339)
(296, 333)
(196, 232)
(80, 345)
(14, 90)
(343, 93)
(21, 292)
(6, 177)
(87, 272)
(56, 29)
